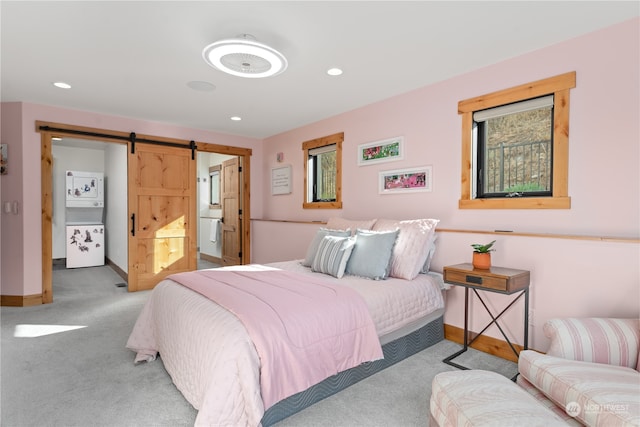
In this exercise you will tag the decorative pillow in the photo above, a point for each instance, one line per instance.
(333, 255)
(336, 223)
(412, 245)
(599, 340)
(313, 246)
(385, 225)
(371, 254)
(432, 251)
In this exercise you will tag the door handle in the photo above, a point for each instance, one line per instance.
(133, 224)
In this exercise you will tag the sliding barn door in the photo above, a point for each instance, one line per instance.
(231, 213)
(162, 217)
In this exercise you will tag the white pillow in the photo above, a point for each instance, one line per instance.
(385, 225)
(371, 254)
(337, 223)
(333, 255)
(313, 246)
(432, 250)
(412, 245)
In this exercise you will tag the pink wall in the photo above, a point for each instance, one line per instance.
(604, 181)
(21, 269)
(12, 226)
(604, 178)
(604, 135)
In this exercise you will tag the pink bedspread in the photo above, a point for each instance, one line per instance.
(304, 329)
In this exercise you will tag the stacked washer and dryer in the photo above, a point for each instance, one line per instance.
(84, 213)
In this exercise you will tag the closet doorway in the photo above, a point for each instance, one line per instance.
(90, 156)
(50, 130)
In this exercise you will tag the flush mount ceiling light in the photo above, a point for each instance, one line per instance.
(62, 85)
(245, 57)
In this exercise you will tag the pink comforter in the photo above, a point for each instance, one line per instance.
(305, 329)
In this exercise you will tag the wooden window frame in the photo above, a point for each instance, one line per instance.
(336, 139)
(559, 86)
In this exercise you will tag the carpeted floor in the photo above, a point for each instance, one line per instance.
(65, 364)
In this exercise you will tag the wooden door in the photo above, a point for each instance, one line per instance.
(162, 200)
(231, 213)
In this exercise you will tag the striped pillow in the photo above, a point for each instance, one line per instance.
(599, 340)
(320, 234)
(332, 255)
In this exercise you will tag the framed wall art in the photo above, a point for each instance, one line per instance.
(405, 180)
(4, 160)
(387, 150)
(281, 180)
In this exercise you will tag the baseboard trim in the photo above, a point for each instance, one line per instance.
(484, 343)
(211, 258)
(20, 300)
(120, 272)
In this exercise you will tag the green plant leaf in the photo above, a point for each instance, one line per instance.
(477, 247)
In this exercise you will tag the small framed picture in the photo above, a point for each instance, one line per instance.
(405, 180)
(3, 158)
(281, 180)
(387, 150)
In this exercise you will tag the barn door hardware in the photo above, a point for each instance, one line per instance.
(132, 138)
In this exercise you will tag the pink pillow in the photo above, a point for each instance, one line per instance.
(599, 340)
(412, 247)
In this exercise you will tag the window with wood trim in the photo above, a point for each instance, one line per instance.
(515, 147)
(323, 172)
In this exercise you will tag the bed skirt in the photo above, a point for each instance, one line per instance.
(394, 352)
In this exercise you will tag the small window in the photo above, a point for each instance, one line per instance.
(515, 147)
(323, 172)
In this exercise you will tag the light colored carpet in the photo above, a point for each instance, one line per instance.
(86, 376)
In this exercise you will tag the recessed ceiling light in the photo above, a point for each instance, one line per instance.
(201, 86)
(236, 118)
(62, 85)
(244, 57)
(334, 71)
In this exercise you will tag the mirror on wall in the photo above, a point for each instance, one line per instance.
(214, 186)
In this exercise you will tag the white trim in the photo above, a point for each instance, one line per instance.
(516, 107)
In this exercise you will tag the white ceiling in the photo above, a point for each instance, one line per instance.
(134, 59)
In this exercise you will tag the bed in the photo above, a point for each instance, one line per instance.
(215, 360)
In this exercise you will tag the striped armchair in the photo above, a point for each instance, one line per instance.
(590, 374)
(589, 377)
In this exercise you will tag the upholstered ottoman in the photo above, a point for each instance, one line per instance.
(483, 398)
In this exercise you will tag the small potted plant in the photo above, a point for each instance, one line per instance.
(482, 255)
